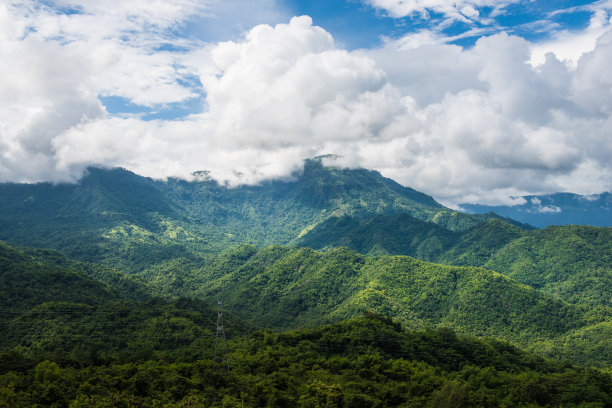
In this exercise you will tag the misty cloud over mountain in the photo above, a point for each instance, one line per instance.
(473, 124)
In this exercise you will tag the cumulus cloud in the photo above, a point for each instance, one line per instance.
(466, 125)
(569, 46)
(45, 88)
(121, 41)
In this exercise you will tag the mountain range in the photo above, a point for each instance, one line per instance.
(555, 209)
(121, 268)
(69, 340)
(118, 214)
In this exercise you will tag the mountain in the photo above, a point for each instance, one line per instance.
(70, 340)
(128, 222)
(571, 262)
(25, 281)
(109, 214)
(401, 234)
(475, 246)
(283, 287)
(176, 237)
(555, 209)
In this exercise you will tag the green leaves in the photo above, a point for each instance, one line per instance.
(363, 362)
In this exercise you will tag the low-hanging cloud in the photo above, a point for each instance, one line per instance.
(466, 125)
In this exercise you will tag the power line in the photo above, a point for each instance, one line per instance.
(218, 359)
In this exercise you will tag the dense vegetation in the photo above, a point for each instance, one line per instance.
(130, 222)
(365, 362)
(401, 234)
(50, 312)
(283, 288)
(129, 322)
(573, 263)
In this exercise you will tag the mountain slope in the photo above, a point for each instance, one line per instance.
(132, 223)
(399, 234)
(26, 282)
(50, 311)
(283, 287)
(111, 215)
(475, 246)
(572, 262)
(403, 234)
(276, 212)
(81, 344)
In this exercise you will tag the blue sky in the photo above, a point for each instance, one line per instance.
(356, 24)
(359, 25)
(469, 101)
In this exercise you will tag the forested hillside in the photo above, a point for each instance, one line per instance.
(573, 263)
(284, 288)
(61, 314)
(364, 362)
(401, 234)
(130, 222)
(137, 262)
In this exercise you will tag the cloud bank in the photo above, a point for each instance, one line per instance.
(465, 125)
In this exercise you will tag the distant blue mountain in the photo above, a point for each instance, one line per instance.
(555, 209)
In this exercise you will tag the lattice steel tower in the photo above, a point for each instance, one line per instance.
(218, 359)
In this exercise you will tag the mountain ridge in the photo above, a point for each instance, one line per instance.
(114, 211)
(285, 288)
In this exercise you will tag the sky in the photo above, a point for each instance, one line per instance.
(470, 101)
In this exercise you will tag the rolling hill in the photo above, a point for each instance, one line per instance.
(283, 288)
(572, 263)
(60, 313)
(69, 340)
(363, 362)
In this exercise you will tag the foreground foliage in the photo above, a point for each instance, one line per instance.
(365, 362)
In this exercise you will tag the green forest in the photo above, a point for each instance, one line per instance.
(338, 288)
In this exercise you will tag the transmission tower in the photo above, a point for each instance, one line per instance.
(218, 359)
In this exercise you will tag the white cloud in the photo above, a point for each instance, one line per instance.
(121, 41)
(427, 70)
(44, 89)
(591, 197)
(543, 209)
(569, 46)
(463, 10)
(465, 125)
(548, 209)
